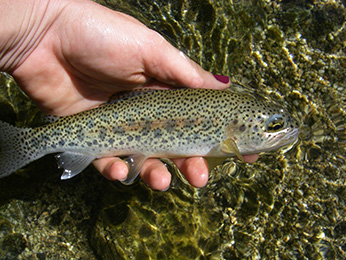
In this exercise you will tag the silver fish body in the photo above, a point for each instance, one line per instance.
(153, 123)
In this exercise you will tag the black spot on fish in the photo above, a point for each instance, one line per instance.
(80, 136)
(146, 128)
(157, 133)
(170, 126)
(115, 116)
(102, 133)
(118, 130)
(68, 131)
(45, 138)
(34, 142)
(90, 124)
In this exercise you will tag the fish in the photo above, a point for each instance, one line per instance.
(153, 123)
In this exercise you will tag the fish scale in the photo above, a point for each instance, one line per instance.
(153, 123)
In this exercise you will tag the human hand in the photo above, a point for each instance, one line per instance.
(70, 56)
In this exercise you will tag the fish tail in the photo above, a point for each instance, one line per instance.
(14, 149)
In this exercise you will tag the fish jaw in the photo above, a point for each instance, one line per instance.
(272, 141)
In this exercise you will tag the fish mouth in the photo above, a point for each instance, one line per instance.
(274, 141)
(271, 141)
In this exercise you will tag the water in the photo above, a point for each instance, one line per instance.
(288, 205)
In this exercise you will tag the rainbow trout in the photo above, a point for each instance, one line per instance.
(153, 123)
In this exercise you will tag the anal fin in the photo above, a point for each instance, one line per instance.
(72, 163)
(135, 164)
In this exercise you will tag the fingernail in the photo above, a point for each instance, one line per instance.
(166, 189)
(222, 78)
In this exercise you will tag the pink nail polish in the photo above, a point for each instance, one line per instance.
(222, 78)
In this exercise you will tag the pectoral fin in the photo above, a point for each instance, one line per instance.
(135, 163)
(72, 163)
(229, 146)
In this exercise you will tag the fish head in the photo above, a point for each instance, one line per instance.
(262, 126)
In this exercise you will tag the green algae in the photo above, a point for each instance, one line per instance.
(288, 205)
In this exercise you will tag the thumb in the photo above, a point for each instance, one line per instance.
(169, 65)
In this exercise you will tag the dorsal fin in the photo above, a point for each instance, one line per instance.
(240, 89)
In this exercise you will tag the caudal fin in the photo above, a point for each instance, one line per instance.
(14, 149)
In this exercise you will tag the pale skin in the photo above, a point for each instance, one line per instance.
(70, 56)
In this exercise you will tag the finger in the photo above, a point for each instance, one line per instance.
(195, 170)
(250, 158)
(155, 174)
(112, 168)
(167, 64)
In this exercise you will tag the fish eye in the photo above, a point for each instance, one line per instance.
(275, 123)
